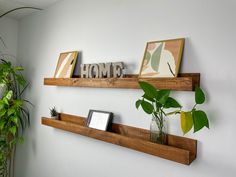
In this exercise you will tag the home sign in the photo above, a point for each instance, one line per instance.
(102, 70)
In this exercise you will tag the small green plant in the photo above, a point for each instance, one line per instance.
(53, 112)
(157, 102)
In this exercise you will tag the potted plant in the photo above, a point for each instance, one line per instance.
(53, 112)
(158, 102)
(14, 115)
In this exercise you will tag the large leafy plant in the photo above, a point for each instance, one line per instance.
(157, 102)
(14, 115)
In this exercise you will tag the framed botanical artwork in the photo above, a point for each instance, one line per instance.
(66, 64)
(100, 120)
(162, 58)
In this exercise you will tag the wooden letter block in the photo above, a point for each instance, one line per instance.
(104, 70)
(118, 68)
(84, 70)
(93, 71)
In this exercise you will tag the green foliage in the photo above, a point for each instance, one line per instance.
(148, 89)
(200, 120)
(14, 115)
(171, 103)
(53, 112)
(147, 107)
(199, 96)
(156, 102)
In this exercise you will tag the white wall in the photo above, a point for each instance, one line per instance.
(118, 30)
(9, 34)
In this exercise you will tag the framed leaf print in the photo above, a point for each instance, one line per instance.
(162, 58)
(66, 64)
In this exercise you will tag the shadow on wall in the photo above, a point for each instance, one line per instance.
(78, 63)
(76, 73)
(190, 55)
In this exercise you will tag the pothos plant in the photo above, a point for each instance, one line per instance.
(157, 103)
(14, 115)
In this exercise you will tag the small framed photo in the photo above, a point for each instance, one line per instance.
(66, 64)
(162, 58)
(100, 120)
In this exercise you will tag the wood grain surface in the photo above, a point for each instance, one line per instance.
(178, 149)
(184, 82)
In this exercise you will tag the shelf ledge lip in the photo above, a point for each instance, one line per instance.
(170, 152)
(185, 82)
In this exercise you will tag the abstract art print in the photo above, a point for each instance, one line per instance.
(162, 58)
(66, 64)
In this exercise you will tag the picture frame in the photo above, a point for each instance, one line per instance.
(100, 120)
(66, 64)
(162, 58)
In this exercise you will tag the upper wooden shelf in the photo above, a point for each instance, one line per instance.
(184, 82)
(178, 149)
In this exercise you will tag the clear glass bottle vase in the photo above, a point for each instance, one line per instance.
(158, 130)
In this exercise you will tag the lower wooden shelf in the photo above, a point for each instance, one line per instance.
(178, 149)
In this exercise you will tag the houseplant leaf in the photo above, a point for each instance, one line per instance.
(11, 111)
(138, 103)
(199, 96)
(2, 112)
(156, 57)
(148, 89)
(148, 98)
(147, 107)
(9, 95)
(162, 96)
(13, 130)
(22, 140)
(171, 103)
(186, 121)
(199, 120)
(14, 119)
(2, 123)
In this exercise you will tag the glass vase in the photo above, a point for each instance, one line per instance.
(158, 130)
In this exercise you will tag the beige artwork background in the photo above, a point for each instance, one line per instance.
(162, 58)
(66, 64)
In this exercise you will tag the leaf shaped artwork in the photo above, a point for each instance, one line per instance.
(146, 60)
(147, 57)
(156, 57)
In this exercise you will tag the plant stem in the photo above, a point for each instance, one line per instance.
(174, 112)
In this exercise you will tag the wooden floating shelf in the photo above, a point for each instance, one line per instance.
(184, 82)
(178, 149)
